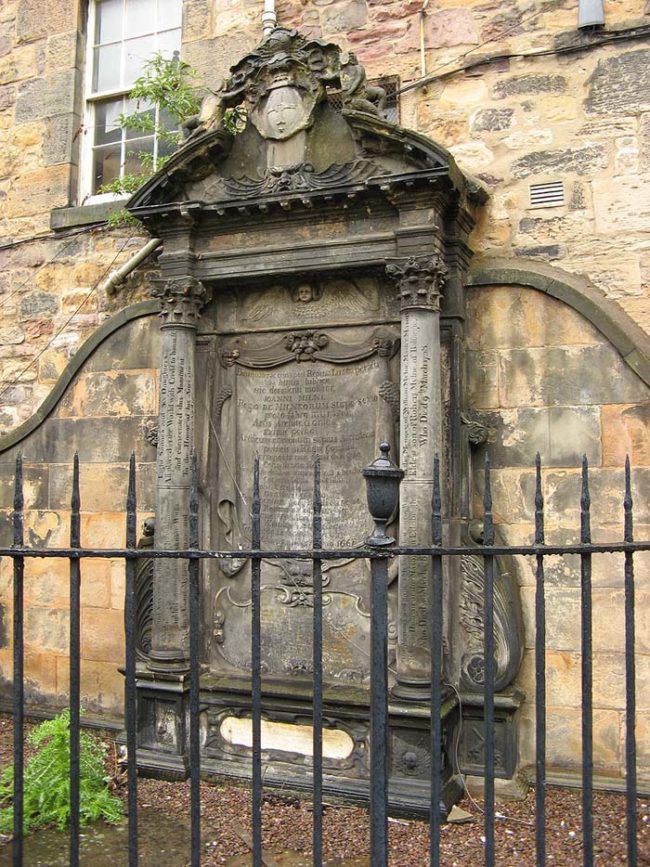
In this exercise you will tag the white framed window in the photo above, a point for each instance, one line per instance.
(122, 36)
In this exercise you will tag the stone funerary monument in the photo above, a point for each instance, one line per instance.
(312, 303)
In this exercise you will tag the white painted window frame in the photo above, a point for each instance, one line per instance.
(91, 98)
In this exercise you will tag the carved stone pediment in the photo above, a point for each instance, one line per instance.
(294, 143)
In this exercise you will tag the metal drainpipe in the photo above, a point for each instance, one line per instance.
(111, 282)
(269, 18)
(591, 13)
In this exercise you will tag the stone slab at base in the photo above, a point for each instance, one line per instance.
(163, 735)
(514, 789)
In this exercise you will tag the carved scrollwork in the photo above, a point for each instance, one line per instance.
(508, 628)
(309, 345)
(420, 281)
(477, 432)
(144, 593)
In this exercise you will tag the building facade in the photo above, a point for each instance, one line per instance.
(553, 122)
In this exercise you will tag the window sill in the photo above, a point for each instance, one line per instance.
(85, 215)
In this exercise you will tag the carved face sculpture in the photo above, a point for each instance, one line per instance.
(282, 114)
(305, 293)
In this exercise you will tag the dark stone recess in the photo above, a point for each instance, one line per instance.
(493, 119)
(585, 160)
(518, 85)
(620, 84)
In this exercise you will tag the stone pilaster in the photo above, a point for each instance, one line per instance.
(181, 303)
(420, 280)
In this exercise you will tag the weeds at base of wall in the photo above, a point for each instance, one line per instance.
(47, 780)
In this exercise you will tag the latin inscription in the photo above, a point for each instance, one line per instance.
(291, 414)
(175, 435)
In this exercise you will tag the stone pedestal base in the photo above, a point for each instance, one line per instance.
(471, 747)
(411, 689)
(163, 739)
(162, 729)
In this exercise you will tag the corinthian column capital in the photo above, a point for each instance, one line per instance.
(420, 280)
(182, 299)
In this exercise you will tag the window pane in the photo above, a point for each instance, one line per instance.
(140, 17)
(167, 120)
(169, 42)
(107, 68)
(137, 52)
(133, 164)
(108, 26)
(106, 165)
(167, 147)
(144, 113)
(170, 13)
(107, 128)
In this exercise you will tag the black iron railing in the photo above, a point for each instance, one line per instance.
(379, 558)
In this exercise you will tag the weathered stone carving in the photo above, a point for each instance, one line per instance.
(508, 624)
(301, 177)
(306, 344)
(297, 583)
(144, 593)
(182, 300)
(389, 391)
(308, 302)
(477, 432)
(280, 83)
(150, 433)
(310, 345)
(420, 280)
(356, 93)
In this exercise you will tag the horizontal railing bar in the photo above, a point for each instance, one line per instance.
(327, 554)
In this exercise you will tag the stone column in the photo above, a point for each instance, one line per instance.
(182, 299)
(420, 280)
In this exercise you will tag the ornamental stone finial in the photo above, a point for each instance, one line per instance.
(182, 299)
(420, 280)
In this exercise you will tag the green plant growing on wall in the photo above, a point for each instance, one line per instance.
(47, 780)
(167, 94)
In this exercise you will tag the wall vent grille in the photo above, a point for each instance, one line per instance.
(548, 195)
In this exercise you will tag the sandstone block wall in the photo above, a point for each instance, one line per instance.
(581, 118)
(544, 380)
(103, 416)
